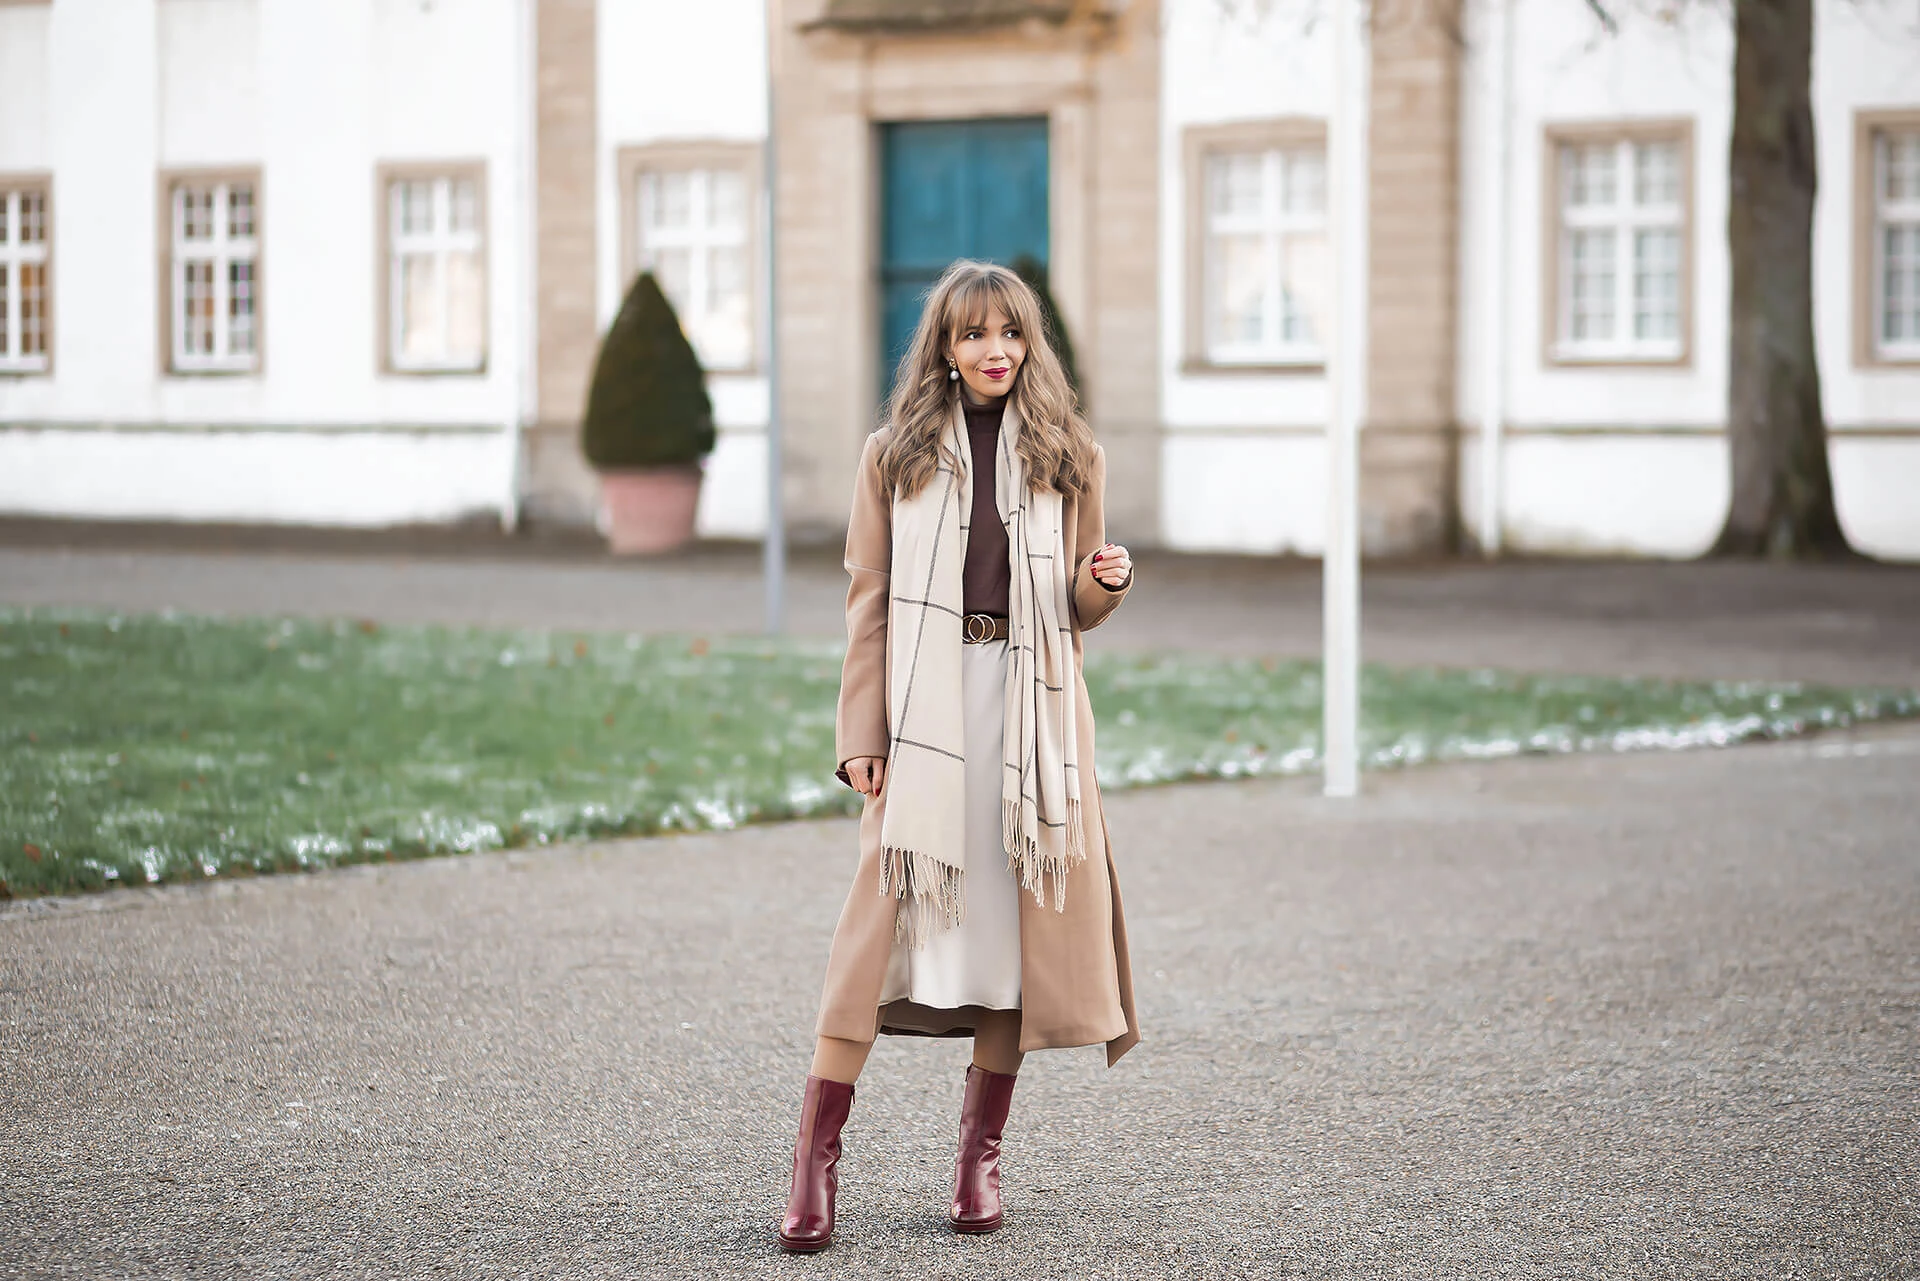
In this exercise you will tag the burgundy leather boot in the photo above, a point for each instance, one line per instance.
(808, 1226)
(976, 1174)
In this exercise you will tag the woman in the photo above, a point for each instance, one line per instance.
(985, 904)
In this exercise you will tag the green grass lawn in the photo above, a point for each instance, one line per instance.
(143, 749)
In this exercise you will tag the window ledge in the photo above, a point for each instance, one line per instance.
(1200, 367)
(877, 17)
(432, 371)
(1575, 360)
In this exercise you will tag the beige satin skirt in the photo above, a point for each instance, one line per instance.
(977, 962)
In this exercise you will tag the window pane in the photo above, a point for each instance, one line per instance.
(1591, 285)
(674, 269)
(724, 333)
(466, 205)
(1900, 284)
(667, 200)
(727, 200)
(240, 210)
(416, 207)
(1590, 174)
(197, 309)
(1306, 182)
(1656, 173)
(1234, 184)
(196, 213)
(1239, 269)
(6, 338)
(240, 308)
(419, 340)
(33, 218)
(466, 310)
(1901, 168)
(6, 217)
(33, 309)
(1656, 284)
(1304, 288)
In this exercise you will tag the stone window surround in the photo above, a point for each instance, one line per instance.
(747, 156)
(1556, 134)
(1197, 143)
(42, 185)
(168, 179)
(1867, 126)
(385, 175)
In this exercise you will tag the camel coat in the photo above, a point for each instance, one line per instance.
(1076, 983)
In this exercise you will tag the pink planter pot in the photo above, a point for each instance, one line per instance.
(649, 509)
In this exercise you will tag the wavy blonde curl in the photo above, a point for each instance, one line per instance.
(1055, 441)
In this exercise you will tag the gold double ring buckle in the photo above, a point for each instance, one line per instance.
(979, 628)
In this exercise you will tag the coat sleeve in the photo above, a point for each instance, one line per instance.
(1092, 599)
(860, 727)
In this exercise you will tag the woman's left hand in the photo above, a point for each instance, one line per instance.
(1112, 566)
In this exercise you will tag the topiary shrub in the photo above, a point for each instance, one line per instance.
(1031, 270)
(648, 405)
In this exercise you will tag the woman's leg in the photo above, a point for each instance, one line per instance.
(838, 1060)
(996, 1042)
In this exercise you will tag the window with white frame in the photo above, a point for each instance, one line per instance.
(1896, 244)
(436, 274)
(214, 285)
(1622, 251)
(692, 230)
(23, 280)
(1264, 256)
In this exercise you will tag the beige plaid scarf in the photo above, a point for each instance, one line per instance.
(922, 838)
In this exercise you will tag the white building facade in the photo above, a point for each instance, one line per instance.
(276, 261)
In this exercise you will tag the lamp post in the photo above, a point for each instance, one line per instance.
(773, 547)
(1345, 347)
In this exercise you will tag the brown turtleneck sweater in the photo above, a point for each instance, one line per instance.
(986, 576)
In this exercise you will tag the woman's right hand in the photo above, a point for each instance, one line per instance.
(867, 774)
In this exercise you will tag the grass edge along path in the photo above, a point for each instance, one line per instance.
(142, 749)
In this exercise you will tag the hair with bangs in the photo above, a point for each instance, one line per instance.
(1055, 442)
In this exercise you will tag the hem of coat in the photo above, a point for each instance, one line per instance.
(1117, 1043)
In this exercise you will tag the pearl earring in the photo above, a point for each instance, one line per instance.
(953, 373)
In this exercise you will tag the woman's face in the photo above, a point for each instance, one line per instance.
(988, 355)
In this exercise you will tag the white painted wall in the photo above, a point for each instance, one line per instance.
(24, 36)
(1642, 490)
(247, 476)
(676, 72)
(315, 96)
(1236, 475)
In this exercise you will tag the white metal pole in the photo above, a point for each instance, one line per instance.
(1340, 569)
(1497, 40)
(526, 353)
(774, 544)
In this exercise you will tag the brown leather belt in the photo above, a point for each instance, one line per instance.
(977, 629)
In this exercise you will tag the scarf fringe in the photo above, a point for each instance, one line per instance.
(1033, 867)
(932, 894)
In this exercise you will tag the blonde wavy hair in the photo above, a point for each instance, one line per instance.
(1055, 442)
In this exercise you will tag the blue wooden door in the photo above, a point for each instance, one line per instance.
(954, 189)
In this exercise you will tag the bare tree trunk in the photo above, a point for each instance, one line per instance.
(1782, 487)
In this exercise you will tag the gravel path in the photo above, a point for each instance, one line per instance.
(1635, 1017)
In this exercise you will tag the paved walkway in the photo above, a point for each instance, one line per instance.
(1848, 624)
(1643, 1016)
(1633, 1017)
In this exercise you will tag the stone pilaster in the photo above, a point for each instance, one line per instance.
(559, 486)
(1408, 447)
